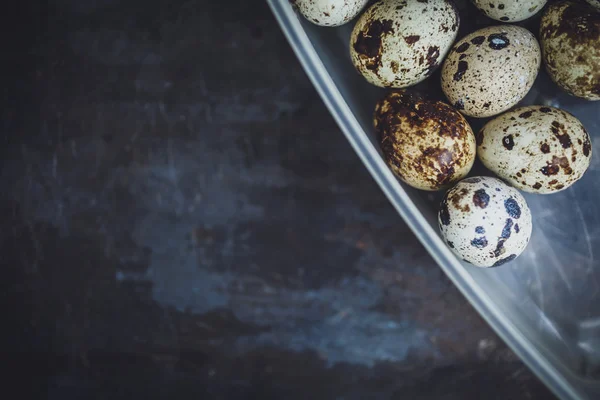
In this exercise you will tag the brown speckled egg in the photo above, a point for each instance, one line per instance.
(537, 149)
(330, 12)
(398, 43)
(570, 39)
(426, 143)
(490, 70)
(510, 10)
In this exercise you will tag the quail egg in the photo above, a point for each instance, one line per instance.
(490, 70)
(570, 39)
(484, 221)
(426, 143)
(330, 12)
(398, 43)
(537, 149)
(509, 10)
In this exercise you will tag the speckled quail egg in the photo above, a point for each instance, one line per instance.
(570, 39)
(426, 143)
(509, 10)
(490, 70)
(484, 221)
(398, 43)
(537, 149)
(330, 12)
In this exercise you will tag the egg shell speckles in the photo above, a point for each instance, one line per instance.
(537, 149)
(490, 70)
(485, 222)
(570, 39)
(400, 43)
(427, 144)
(330, 12)
(509, 10)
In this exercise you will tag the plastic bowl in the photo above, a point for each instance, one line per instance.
(546, 303)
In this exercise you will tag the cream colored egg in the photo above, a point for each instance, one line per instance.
(490, 70)
(570, 39)
(427, 144)
(398, 43)
(510, 10)
(484, 221)
(537, 149)
(330, 12)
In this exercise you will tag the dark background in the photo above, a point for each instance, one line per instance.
(183, 217)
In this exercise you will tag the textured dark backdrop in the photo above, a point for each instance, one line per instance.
(182, 216)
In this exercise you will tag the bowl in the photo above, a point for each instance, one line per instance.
(546, 303)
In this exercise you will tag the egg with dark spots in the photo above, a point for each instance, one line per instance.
(330, 12)
(485, 236)
(509, 10)
(408, 33)
(426, 143)
(570, 40)
(490, 70)
(537, 149)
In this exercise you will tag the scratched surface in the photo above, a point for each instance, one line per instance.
(183, 217)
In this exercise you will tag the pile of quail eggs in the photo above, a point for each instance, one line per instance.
(430, 145)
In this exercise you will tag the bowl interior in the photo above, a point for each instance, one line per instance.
(551, 293)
